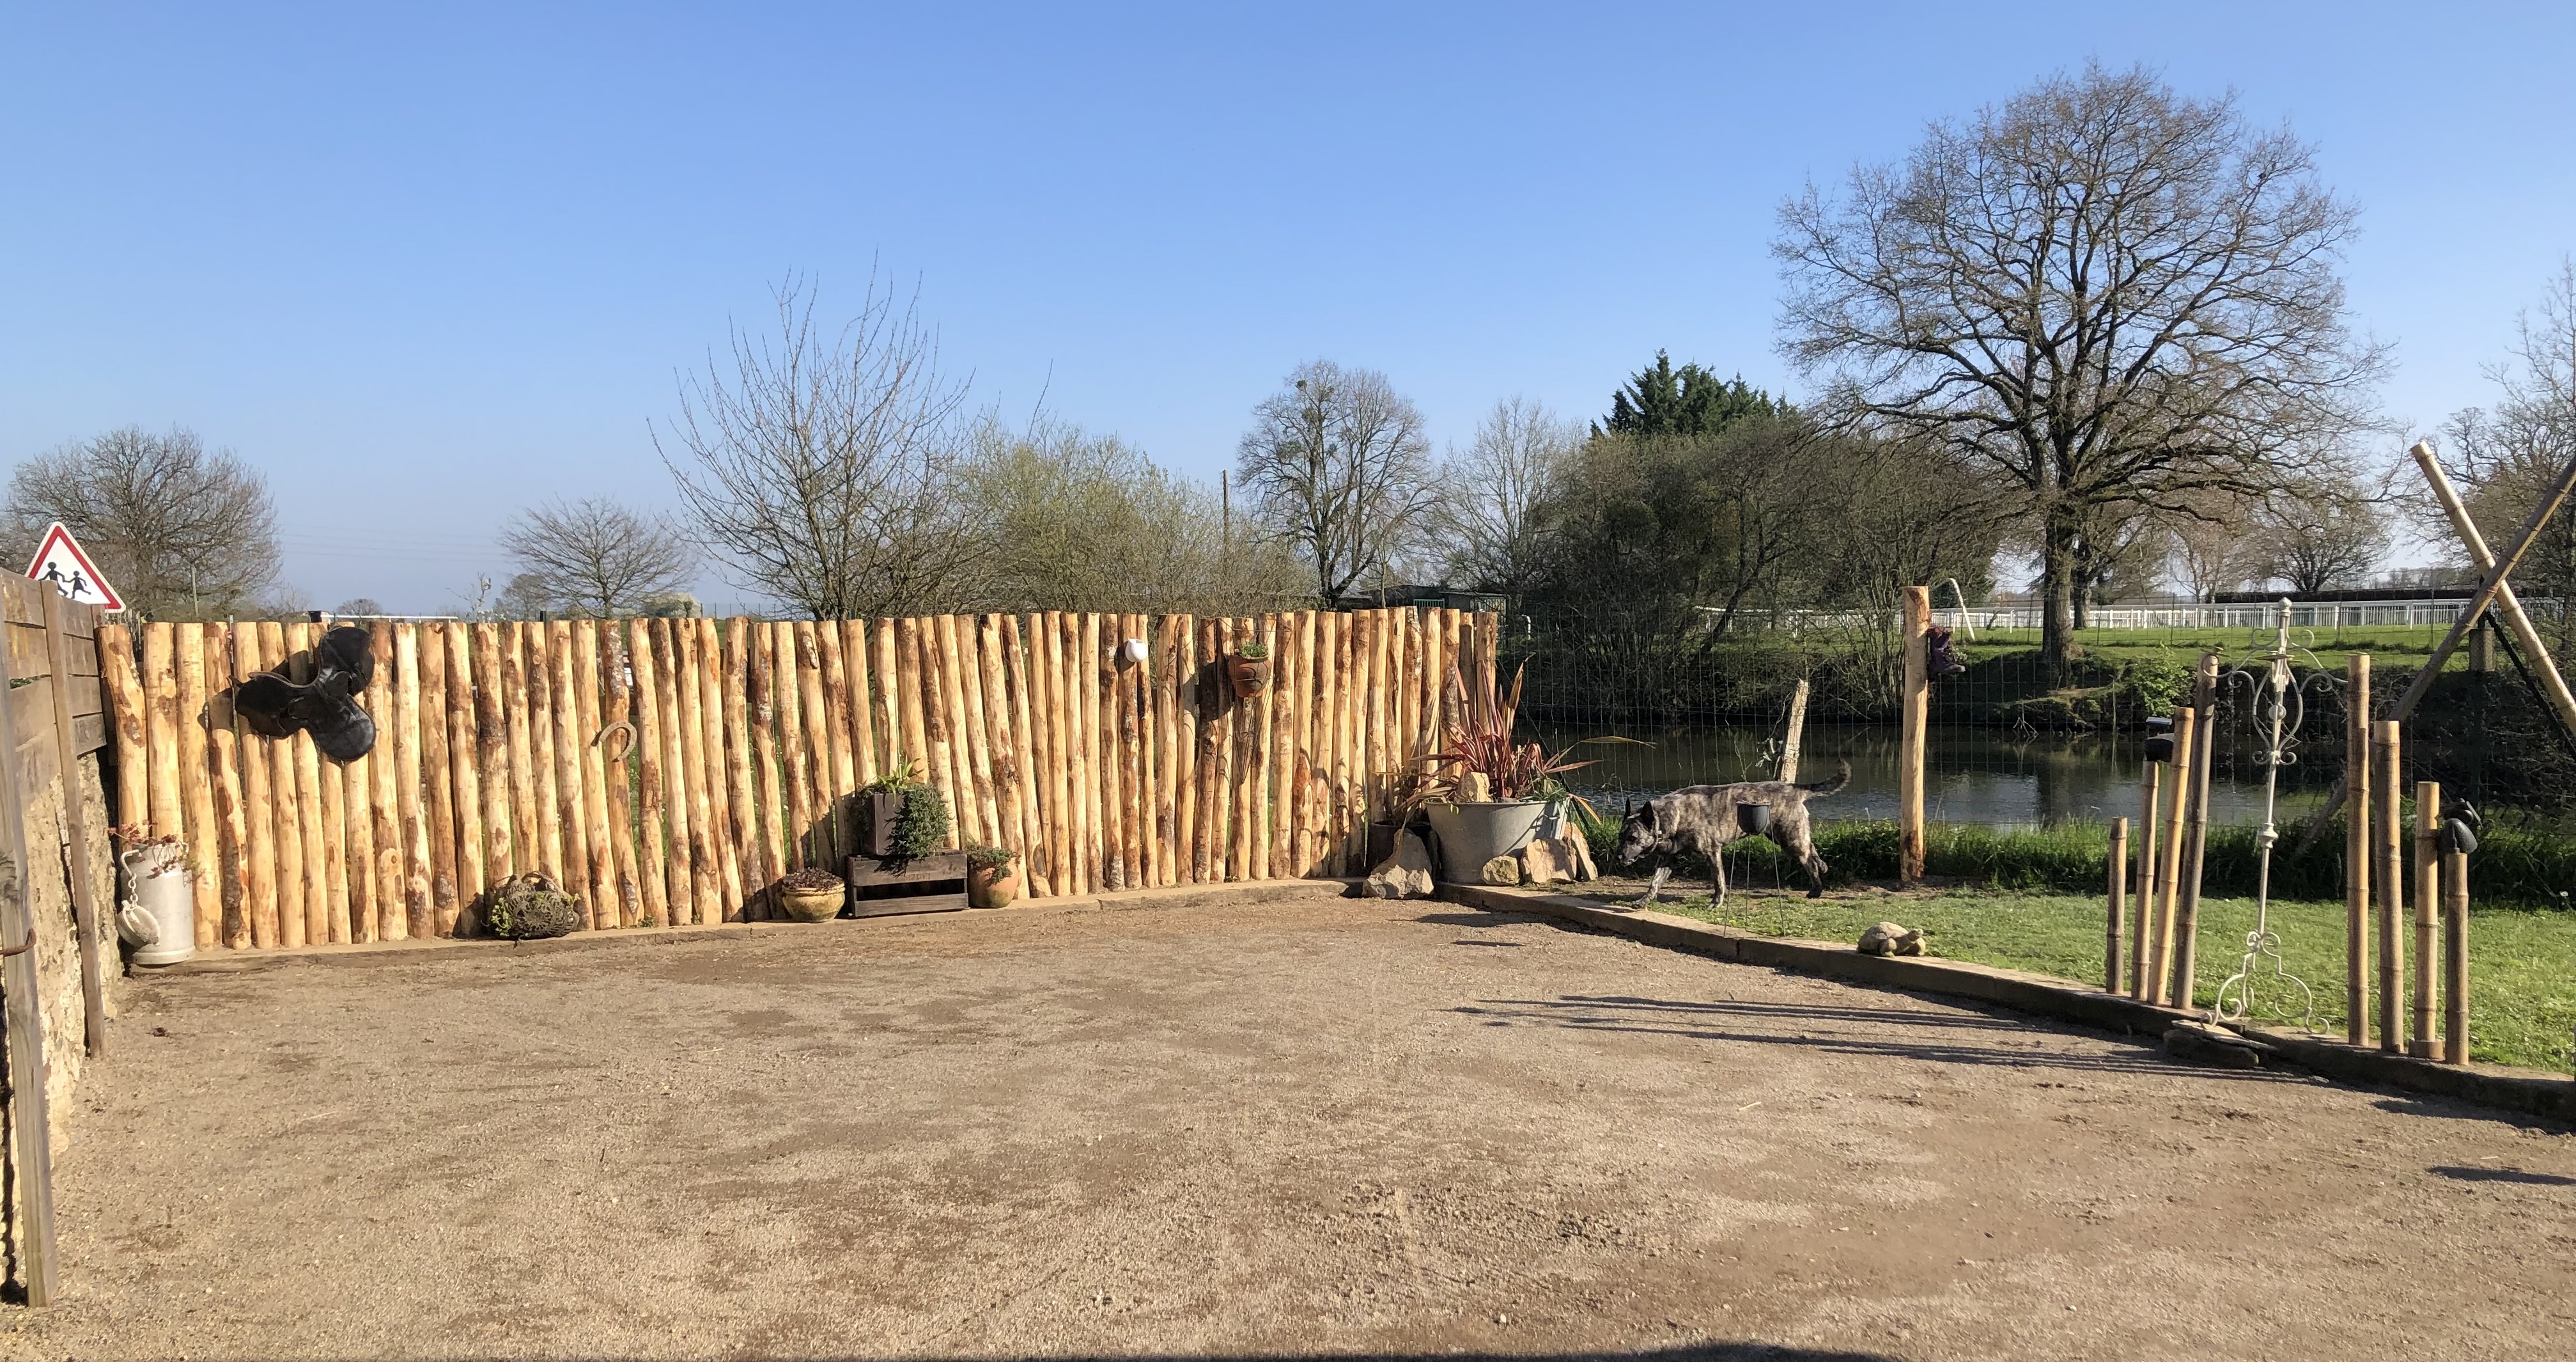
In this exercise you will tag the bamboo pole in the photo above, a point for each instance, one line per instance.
(751, 870)
(1018, 675)
(863, 721)
(841, 734)
(599, 858)
(232, 827)
(492, 756)
(794, 757)
(465, 777)
(814, 705)
(2455, 957)
(419, 914)
(2391, 827)
(2119, 862)
(2141, 939)
(1913, 719)
(2357, 849)
(320, 862)
(2169, 875)
(523, 682)
(438, 788)
(196, 791)
(259, 809)
(286, 803)
(652, 883)
(724, 831)
(680, 875)
(706, 862)
(2196, 840)
(760, 698)
(2427, 1042)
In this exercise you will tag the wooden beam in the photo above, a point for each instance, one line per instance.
(2357, 850)
(2424, 1043)
(1914, 713)
(76, 829)
(30, 1127)
(2392, 884)
(2119, 910)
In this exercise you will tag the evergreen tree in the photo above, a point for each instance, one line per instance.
(1690, 400)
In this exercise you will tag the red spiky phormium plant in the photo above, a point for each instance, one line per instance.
(1478, 736)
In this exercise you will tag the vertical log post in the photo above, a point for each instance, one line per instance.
(2169, 873)
(2455, 957)
(2357, 849)
(2150, 781)
(2424, 1043)
(2204, 754)
(1796, 740)
(1914, 712)
(2391, 828)
(2119, 911)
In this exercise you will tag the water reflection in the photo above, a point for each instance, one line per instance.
(1973, 775)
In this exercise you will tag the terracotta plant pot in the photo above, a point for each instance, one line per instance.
(1250, 676)
(812, 905)
(992, 886)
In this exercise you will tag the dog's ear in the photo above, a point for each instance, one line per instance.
(1627, 808)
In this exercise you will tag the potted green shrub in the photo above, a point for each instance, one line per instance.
(811, 895)
(1498, 788)
(992, 877)
(1249, 670)
(901, 818)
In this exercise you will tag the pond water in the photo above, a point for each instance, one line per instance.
(1972, 775)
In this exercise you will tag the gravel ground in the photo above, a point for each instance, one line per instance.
(1310, 1125)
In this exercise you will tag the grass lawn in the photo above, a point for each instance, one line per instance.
(2522, 963)
(2388, 645)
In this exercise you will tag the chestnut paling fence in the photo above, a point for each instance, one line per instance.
(668, 772)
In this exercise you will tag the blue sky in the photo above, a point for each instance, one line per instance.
(425, 266)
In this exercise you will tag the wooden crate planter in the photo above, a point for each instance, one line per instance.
(927, 884)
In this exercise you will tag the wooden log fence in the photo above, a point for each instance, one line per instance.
(668, 772)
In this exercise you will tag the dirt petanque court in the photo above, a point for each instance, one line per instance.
(1259, 1126)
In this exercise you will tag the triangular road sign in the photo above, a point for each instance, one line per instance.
(61, 562)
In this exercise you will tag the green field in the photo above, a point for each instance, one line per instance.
(2522, 963)
(2389, 646)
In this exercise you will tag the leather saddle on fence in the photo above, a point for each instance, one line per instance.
(274, 707)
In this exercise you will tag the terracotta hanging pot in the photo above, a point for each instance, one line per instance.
(1250, 675)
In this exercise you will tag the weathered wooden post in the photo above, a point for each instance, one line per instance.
(1797, 738)
(2143, 919)
(2204, 758)
(1913, 713)
(2169, 874)
(2390, 827)
(2455, 956)
(2117, 917)
(2357, 849)
(2428, 899)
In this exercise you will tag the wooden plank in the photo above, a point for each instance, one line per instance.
(259, 810)
(706, 860)
(197, 795)
(419, 915)
(83, 693)
(760, 654)
(529, 853)
(653, 894)
(30, 1125)
(464, 778)
(85, 908)
(492, 757)
(587, 684)
(750, 870)
(126, 705)
(840, 731)
(1017, 677)
(863, 873)
(680, 875)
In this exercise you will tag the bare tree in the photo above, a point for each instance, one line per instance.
(2512, 451)
(2319, 538)
(2115, 296)
(819, 466)
(1341, 469)
(180, 532)
(596, 557)
(2206, 544)
(1493, 493)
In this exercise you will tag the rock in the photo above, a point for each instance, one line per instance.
(1550, 860)
(1502, 870)
(1404, 874)
(529, 907)
(1583, 867)
(1887, 938)
(1473, 788)
(2216, 1046)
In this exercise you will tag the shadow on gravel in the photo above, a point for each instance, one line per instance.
(1694, 1352)
(2460, 1174)
(1838, 1030)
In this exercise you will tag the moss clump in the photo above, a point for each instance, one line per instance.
(531, 907)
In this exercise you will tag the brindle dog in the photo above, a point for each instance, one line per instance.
(1703, 818)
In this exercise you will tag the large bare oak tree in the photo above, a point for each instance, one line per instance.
(2117, 297)
(1340, 467)
(596, 557)
(180, 532)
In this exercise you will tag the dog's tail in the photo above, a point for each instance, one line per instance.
(1829, 785)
